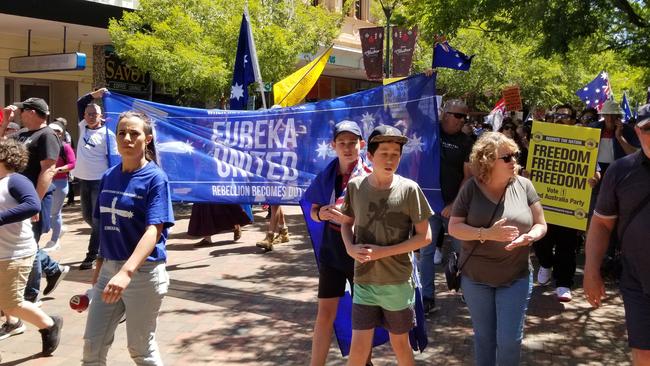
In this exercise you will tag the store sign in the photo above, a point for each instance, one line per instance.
(122, 78)
(47, 63)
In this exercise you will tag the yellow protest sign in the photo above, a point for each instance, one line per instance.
(561, 159)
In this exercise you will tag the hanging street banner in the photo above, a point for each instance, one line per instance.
(272, 155)
(561, 159)
(403, 47)
(372, 46)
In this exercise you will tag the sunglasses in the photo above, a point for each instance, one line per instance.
(645, 130)
(506, 128)
(510, 157)
(458, 115)
(562, 115)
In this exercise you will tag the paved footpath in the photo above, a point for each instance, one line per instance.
(231, 304)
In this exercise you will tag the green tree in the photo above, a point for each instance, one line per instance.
(544, 81)
(557, 26)
(190, 45)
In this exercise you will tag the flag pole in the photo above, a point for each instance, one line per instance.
(307, 73)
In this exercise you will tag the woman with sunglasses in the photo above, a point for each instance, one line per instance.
(497, 216)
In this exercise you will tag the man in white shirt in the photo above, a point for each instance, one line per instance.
(93, 147)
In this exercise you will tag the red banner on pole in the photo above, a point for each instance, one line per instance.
(403, 47)
(372, 45)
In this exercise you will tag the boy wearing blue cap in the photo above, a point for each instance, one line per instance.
(335, 267)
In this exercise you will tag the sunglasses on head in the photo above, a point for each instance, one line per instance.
(510, 157)
(458, 115)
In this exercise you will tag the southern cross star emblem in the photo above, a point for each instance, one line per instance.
(236, 91)
(115, 212)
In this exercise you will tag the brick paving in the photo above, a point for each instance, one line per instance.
(231, 304)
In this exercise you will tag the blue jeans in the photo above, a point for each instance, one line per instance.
(88, 192)
(60, 192)
(42, 264)
(426, 265)
(498, 315)
(140, 301)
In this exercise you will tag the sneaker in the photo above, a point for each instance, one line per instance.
(54, 280)
(51, 336)
(7, 330)
(88, 263)
(544, 275)
(52, 245)
(64, 229)
(563, 294)
(437, 257)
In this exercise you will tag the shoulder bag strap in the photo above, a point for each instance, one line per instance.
(494, 212)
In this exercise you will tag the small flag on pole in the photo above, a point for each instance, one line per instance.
(446, 56)
(627, 111)
(596, 92)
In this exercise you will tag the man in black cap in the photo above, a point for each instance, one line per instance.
(624, 205)
(43, 147)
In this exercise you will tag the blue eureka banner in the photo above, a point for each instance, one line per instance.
(271, 156)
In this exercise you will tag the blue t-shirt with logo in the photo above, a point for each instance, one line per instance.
(128, 202)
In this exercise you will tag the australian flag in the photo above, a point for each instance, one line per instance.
(446, 56)
(245, 64)
(596, 92)
(627, 111)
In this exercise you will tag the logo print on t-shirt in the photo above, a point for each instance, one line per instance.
(380, 217)
(115, 212)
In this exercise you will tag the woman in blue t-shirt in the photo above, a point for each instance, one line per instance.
(134, 211)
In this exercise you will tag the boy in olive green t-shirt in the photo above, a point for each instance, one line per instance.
(385, 207)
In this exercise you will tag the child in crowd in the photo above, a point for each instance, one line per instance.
(335, 266)
(18, 203)
(384, 208)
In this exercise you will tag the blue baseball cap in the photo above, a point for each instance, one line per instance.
(347, 126)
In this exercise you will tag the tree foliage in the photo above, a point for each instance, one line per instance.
(544, 81)
(557, 26)
(191, 44)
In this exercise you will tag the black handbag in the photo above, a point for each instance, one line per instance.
(453, 270)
